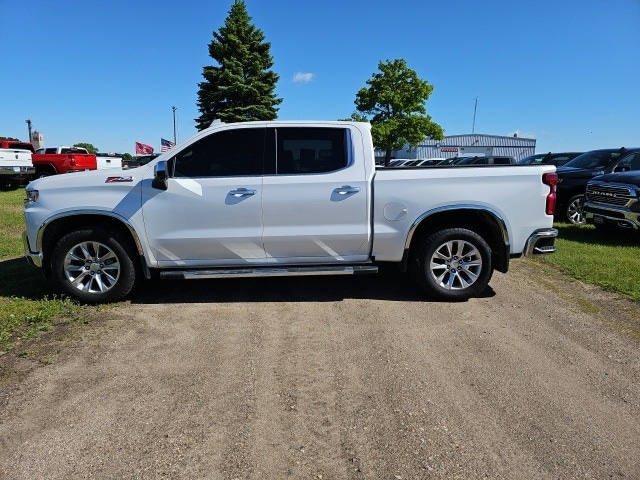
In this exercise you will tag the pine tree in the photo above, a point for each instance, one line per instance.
(242, 87)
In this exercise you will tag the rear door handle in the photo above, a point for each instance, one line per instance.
(242, 192)
(346, 190)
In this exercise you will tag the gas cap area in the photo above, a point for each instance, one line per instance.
(395, 211)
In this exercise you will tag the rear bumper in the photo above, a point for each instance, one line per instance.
(541, 242)
(17, 172)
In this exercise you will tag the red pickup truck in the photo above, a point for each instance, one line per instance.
(54, 160)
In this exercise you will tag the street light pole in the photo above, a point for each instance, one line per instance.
(29, 125)
(175, 140)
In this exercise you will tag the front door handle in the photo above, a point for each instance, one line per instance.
(346, 190)
(242, 192)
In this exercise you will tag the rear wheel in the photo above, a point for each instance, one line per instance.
(574, 212)
(94, 265)
(453, 264)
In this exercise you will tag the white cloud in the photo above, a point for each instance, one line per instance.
(301, 77)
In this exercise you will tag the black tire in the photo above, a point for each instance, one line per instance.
(574, 211)
(94, 265)
(42, 174)
(453, 264)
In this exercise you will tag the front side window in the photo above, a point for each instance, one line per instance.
(226, 153)
(307, 150)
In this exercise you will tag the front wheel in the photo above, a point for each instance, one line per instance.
(94, 266)
(453, 264)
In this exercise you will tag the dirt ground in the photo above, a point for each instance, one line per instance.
(333, 378)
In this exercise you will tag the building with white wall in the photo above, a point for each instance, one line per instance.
(473, 144)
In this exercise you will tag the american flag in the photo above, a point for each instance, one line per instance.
(166, 145)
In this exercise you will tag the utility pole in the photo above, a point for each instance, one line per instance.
(175, 140)
(475, 108)
(29, 125)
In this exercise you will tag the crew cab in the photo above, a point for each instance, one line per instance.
(285, 198)
(16, 166)
(61, 159)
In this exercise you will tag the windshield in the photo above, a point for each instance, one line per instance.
(594, 160)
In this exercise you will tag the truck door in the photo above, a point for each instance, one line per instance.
(211, 212)
(315, 204)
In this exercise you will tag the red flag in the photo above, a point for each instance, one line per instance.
(142, 149)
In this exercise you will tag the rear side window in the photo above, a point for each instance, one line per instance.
(311, 150)
(502, 161)
(632, 160)
(227, 153)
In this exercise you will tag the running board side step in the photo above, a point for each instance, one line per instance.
(268, 272)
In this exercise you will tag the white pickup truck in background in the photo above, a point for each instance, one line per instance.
(16, 166)
(109, 160)
(285, 198)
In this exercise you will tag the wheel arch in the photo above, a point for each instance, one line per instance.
(48, 168)
(483, 220)
(56, 227)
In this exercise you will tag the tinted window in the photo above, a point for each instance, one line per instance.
(311, 150)
(596, 159)
(632, 160)
(503, 161)
(222, 154)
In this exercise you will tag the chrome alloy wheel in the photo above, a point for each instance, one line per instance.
(456, 265)
(575, 213)
(92, 267)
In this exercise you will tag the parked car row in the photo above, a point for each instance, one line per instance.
(441, 162)
(597, 176)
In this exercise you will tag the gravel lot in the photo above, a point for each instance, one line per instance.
(332, 378)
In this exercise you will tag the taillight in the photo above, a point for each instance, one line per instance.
(550, 179)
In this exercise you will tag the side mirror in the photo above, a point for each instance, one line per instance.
(160, 176)
(622, 168)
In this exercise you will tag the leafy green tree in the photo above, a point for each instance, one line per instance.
(88, 146)
(127, 156)
(394, 103)
(242, 87)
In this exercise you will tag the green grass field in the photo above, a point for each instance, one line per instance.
(609, 259)
(28, 304)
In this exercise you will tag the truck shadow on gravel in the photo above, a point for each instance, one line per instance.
(18, 279)
(389, 284)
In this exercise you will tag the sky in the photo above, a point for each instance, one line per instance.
(565, 72)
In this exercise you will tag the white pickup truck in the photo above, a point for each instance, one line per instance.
(285, 198)
(16, 164)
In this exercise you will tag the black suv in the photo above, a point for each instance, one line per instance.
(574, 175)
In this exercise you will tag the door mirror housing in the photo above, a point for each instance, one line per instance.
(160, 175)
